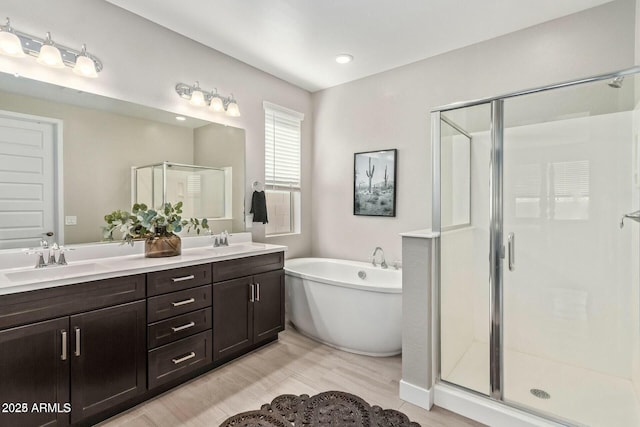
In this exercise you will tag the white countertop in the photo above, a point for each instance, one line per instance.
(422, 234)
(13, 280)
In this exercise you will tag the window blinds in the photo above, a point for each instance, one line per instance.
(282, 147)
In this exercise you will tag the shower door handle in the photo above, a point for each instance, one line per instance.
(511, 239)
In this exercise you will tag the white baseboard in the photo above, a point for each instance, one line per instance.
(416, 395)
(483, 410)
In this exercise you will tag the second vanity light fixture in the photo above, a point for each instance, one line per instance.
(202, 98)
(18, 45)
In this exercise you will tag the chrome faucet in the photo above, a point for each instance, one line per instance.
(51, 248)
(383, 263)
(224, 238)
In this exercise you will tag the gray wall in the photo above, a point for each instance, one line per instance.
(391, 110)
(142, 64)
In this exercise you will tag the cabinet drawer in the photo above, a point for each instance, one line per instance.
(234, 268)
(174, 360)
(175, 328)
(162, 282)
(175, 303)
(42, 304)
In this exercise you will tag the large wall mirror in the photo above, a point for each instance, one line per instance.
(96, 142)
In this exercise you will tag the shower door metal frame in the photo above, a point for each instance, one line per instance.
(496, 246)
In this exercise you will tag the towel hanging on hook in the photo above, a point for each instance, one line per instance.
(258, 203)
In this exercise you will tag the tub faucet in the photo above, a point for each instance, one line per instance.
(383, 263)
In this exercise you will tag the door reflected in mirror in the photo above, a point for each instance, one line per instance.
(100, 140)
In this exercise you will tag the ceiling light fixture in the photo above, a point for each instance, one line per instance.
(18, 44)
(344, 58)
(216, 102)
(181, 118)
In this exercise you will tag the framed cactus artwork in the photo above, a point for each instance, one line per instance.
(374, 183)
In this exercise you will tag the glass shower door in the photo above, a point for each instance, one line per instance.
(464, 150)
(570, 272)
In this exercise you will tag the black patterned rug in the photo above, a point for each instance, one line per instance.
(331, 408)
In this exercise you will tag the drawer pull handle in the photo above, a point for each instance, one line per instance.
(182, 279)
(183, 327)
(184, 358)
(252, 292)
(258, 292)
(185, 302)
(63, 356)
(77, 352)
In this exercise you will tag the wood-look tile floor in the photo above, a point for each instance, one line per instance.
(292, 365)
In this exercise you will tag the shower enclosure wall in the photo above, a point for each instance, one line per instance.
(537, 301)
(204, 191)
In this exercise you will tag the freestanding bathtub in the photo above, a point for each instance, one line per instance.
(348, 305)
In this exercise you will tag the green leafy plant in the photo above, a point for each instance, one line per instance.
(142, 222)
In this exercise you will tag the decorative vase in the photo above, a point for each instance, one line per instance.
(162, 244)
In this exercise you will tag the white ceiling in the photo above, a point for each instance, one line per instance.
(297, 40)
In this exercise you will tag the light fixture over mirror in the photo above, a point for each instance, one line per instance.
(200, 98)
(49, 54)
(10, 43)
(17, 44)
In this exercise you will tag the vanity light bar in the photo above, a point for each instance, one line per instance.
(214, 101)
(32, 45)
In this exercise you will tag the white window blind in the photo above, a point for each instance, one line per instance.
(282, 147)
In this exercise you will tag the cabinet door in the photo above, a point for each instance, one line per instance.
(268, 309)
(34, 369)
(232, 309)
(108, 358)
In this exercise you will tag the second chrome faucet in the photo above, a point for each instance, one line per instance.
(383, 262)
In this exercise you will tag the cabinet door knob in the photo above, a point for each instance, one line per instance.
(252, 296)
(258, 292)
(77, 352)
(63, 356)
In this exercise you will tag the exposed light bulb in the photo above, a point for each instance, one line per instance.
(50, 55)
(10, 44)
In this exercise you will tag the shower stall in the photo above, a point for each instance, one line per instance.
(536, 303)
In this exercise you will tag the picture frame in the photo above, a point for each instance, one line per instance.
(374, 183)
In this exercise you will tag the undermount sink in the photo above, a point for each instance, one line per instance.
(54, 272)
(228, 250)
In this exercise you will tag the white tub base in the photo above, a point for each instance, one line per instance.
(339, 311)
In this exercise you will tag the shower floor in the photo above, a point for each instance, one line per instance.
(577, 394)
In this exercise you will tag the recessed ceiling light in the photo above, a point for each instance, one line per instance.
(344, 58)
(180, 118)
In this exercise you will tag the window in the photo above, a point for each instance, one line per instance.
(282, 168)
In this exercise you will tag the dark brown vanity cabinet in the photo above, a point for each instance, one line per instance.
(88, 359)
(32, 370)
(82, 352)
(179, 322)
(248, 309)
(108, 358)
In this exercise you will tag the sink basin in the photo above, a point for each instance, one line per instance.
(56, 272)
(228, 250)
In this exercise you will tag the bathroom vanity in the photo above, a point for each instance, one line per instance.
(78, 350)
